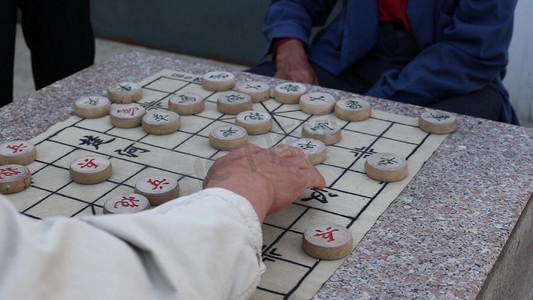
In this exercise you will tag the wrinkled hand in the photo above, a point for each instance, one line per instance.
(292, 63)
(270, 179)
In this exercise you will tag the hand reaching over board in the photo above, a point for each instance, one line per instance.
(270, 179)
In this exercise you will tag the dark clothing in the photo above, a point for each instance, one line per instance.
(462, 46)
(58, 34)
(394, 49)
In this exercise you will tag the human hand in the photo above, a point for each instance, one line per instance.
(270, 179)
(292, 63)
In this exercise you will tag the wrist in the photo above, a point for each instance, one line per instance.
(283, 43)
(252, 186)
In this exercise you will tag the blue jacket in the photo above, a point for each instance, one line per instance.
(464, 44)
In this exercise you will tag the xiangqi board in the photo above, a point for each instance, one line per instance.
(350, 199)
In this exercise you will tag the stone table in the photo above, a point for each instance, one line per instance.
(462, 228)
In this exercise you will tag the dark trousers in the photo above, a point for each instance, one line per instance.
(58, 34)
(395, 49)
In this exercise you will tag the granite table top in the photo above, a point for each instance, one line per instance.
(440, 238)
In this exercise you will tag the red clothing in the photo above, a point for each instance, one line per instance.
(389, 11)
(394, 11)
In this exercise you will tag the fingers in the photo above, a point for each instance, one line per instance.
(287, 151)
(315, 179)
(308, 173)
(248, 148)
(296, 157)
(280, 158)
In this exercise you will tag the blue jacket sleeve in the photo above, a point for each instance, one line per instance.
(286, 18)
(469, 52)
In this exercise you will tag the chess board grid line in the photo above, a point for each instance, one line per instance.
(51, 164)
(384, 137)
(139, 141)
(272, 292)
(272, 113)
(417, 146)
(157, 79)
(303, 278)
(289, 228)
(31, 216)
(280, 105)
(385, 184)
(280, 258)
(90, 204)
(350, 130)
(351, 218)
(357, 158)
(331, 212)
(207, 98)
(116, 183)
(368, 203)
(297, 111)
(285, 230)
(342, 168)
(84, 208)
(274, 226)
(58, 192)
(140, 163)
(146, 86)
(275, 119)
(52, 193)
(348, 192)
(309, 270)
(357, 131)
(197, 133)
(267, 248)
(362, 154)
(301, 123)
(388, 121)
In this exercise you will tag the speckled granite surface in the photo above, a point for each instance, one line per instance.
(438, 240)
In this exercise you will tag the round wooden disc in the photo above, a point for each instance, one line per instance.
(254, 121)
(387, 167)
(315, 149)
(186, 104)
(90, 169)
(327, 241)
(218, 81)
(92, 107)
(353, 109)
(437, 122)
(227, 137)
(17, 152)
(232, 103)
(324, 130)
(127, 115)
(157, 188)
(161, 121)
(259, 91)
(124, 92)
(14, 178)
(289, 92)
(317, 103)
(126, 204)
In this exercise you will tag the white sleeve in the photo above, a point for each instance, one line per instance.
(203, 246)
